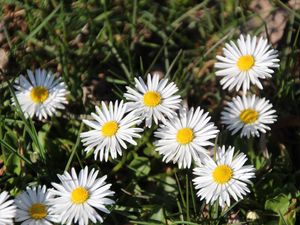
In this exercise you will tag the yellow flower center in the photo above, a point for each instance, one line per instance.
(249, 116)
(184, 136)
(79, 195)
(222, 174)
(245, 62)
(110, 128)
(37, 211)
(39, 94)
(152, 98)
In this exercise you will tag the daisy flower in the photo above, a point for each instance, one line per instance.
(249, 114)
(7, 209)
(185, 138)
(246, 62)
(225, 177)
(153, 101)
(111, 129)
(33, 207)
(41, 95)
(77, 199)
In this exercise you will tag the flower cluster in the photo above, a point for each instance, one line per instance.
(243, 64)
(184, 136)
(76, 199)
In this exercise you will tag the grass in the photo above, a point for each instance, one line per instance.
(98, 47)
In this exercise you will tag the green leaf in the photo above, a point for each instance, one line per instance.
(42, 134)
(141, 166)
(278, 204)
(158, 215)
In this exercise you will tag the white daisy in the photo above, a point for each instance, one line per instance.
(249, 114)
(7, 209)
(33, 207)
(155, 100)
(185, 138)
(41, 95)
(111, 129)
(225, 177)
(246, 62)
(79, 198)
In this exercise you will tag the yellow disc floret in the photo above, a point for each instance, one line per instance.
(79, 195)
(110, 128)
(39, 94)
(37, 211)
(249, 116)
(222, 174)
(185, 136)
(245, 62)
(152, 98)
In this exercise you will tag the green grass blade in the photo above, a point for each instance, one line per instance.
(187, 197)
(42, 24)
(180, 190)
(29, 126)
(10, 148)
(74, 148)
